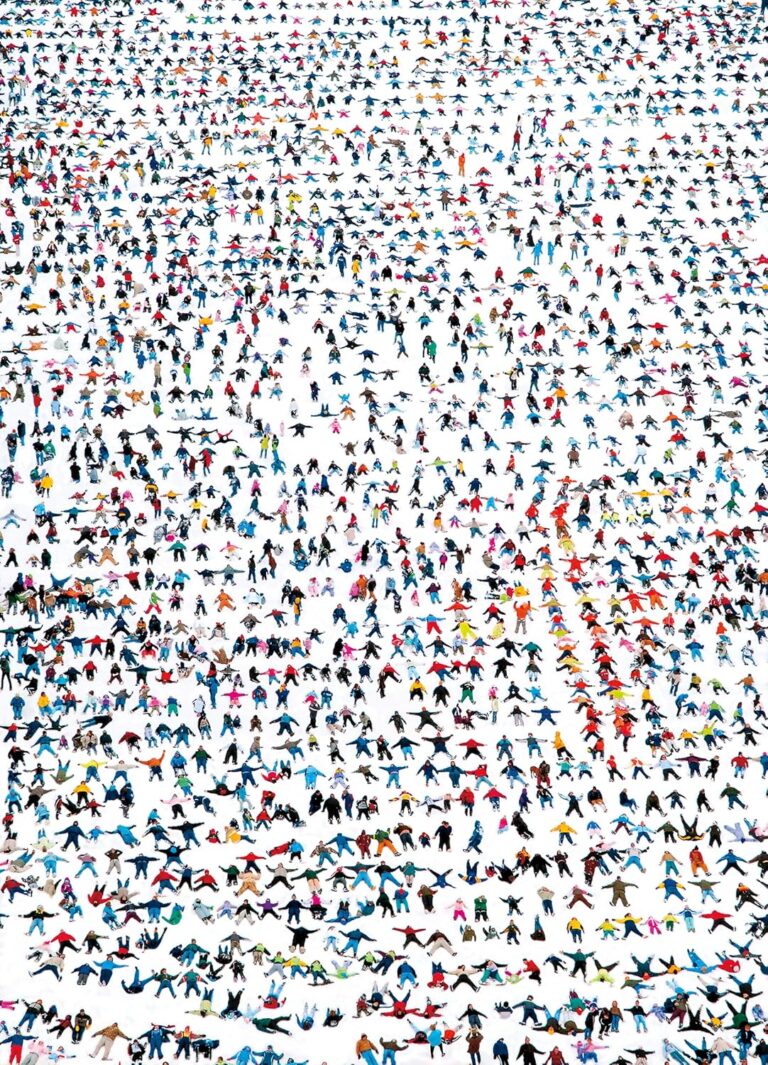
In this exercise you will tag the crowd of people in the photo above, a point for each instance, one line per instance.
(383, 419)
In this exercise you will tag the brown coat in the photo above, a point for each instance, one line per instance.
(112, 1031)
